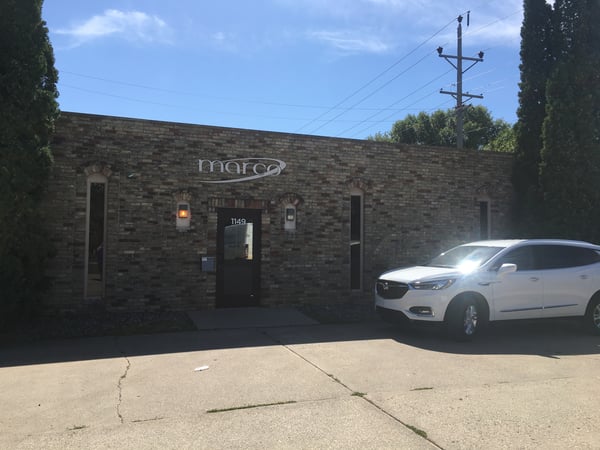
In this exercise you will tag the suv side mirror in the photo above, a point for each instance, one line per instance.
(507, 268)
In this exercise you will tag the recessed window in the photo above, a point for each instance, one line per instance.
(95, 236)
(356, 239)
(484, 219)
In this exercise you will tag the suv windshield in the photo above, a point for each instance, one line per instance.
(465, 257)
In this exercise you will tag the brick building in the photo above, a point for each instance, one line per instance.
(150, 215)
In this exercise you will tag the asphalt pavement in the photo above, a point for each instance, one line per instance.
(278, 379)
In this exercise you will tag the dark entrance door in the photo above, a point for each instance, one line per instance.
(238, 257)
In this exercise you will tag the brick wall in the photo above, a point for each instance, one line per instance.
(418, 201)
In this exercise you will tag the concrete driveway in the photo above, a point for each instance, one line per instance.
(296, 384)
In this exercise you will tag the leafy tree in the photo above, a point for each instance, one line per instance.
(570, 157)
(28, 109)
(380, 137)
(505, 140)
(536, 65)
(439, 129)
(406, 131)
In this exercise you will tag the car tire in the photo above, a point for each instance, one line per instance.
(592, 315)
(464, 318)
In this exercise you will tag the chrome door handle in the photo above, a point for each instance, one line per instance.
(583, 277)
(534, 279)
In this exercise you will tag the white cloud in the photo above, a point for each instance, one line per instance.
(130, 25)
(403, 4)
(497, 27)
(398, 23)
(224, 41)
(508, 34)
(329, 8)
(350, 42)
(219, 36)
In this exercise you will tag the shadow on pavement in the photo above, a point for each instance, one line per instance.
(548, 339)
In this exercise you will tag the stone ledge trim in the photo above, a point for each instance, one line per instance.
(98, 167)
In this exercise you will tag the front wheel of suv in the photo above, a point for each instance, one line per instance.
(464, 318)
(592, 315)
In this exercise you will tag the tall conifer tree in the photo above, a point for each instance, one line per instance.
(536, 65)
(570, 158)
(28, 109)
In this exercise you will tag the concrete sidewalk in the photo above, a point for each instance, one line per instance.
(302, 386)
(232, 318)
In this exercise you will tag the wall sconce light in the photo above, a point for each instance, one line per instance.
(290, 218)
(183, 217)
(290, 214)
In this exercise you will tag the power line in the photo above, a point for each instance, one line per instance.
(396, 110)
(476, 130)
(388, 118)
(398, 101)
(169, 105)
(471, 32)
(459, 94)
(483, 27)
(360, 132)
(187, 94)
(320, 119)
(364, 86)
(370, 94)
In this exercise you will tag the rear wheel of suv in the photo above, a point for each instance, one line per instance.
(592, 315)
(464, 318)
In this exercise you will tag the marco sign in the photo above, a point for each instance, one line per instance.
(242, 169)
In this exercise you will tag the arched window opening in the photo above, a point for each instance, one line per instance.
(95, 236)
(356, 238)
(484, 219)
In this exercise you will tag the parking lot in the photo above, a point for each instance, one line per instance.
(293, 383)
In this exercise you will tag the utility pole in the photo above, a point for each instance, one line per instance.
(459, 94)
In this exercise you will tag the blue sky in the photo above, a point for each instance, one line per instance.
(345, 68)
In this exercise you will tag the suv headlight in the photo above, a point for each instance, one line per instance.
(434, 285)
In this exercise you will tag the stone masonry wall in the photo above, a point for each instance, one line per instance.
(418, 201)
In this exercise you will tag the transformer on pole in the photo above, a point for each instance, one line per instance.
(459, 95)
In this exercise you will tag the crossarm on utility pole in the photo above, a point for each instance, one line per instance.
(459, 94)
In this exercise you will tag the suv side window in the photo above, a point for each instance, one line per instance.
(522, 257)
(562, 256)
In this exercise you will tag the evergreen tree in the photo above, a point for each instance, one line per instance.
(570, 167)
(536, 64)
(28, 109)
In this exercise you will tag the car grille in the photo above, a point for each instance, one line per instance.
(390, 289)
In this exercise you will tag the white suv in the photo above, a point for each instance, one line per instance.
(474, 283)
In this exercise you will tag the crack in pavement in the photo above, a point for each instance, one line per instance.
(353, 392)
(121, 379)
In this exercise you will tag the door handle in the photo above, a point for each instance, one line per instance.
(534, 279)
(583, 277)
(487, 283)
